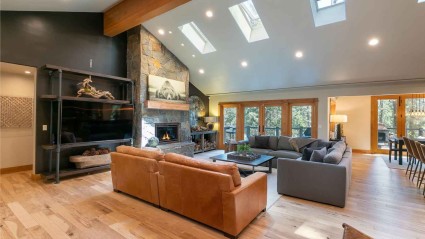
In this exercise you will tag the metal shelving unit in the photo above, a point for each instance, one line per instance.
(57, 147)
(212, 137)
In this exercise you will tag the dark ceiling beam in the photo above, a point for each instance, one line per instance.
(130, 13)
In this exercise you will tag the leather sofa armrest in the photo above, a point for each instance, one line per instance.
(243, 204)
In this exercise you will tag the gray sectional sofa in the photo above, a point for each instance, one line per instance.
(317, 181)
(281, 147)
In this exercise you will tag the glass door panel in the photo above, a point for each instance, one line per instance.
(301, 120)
(272, 120)
(415, 118)
(251, 121)
(387, 121)
(229, 123)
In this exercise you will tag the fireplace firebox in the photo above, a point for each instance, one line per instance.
(167, 132)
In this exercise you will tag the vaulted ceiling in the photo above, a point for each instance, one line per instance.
(333, 54)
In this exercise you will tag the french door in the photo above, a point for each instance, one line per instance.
(395, 116)
(240, 120)
(263, 119)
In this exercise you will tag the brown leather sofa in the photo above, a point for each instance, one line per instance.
(211, 193)
(135, 172)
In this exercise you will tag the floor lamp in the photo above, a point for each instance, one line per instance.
(338, 120)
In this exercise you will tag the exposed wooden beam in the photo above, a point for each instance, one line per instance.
(130, 13)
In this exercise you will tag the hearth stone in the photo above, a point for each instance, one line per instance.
(184, 148)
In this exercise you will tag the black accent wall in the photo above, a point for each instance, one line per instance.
(64, 39)
(61, 38)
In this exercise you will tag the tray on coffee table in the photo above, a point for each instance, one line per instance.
(263, 159)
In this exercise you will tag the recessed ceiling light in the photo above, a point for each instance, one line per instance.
(193, 56)
(182, 44)
(209, 13)
(170, 32)
(373, 42)
(244, 64)
(201, 71)
(161, 31)
(299, 54)
(27, 72)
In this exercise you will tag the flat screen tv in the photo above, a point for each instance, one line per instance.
(92, 121)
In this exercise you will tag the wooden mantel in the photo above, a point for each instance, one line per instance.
(130, 13)
(160, 105)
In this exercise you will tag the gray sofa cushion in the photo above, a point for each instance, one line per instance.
(333, 157)
(307, 152)
(251, 141)
(318, 155)
(261, 151)
(273, 142)
(262, 142)
(283, 143)
(285, 154)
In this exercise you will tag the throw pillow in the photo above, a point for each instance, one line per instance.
(352, 233)
(262, 142)
(333, 157)
(318, 155)
(307, 152)
(283, 143)
(294, 145)
(322, 143)
(251, 141)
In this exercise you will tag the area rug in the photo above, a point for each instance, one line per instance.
(394, 163)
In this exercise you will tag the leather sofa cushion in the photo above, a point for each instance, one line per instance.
(262, 142)
(220, 167)
(146, 152)
(285, 154)
(283, 143)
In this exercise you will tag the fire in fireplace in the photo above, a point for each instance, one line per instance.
(167, 132)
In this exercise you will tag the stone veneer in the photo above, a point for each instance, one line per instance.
(147, 56)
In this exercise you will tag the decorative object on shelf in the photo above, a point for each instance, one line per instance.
(210, 121)
(196, 109)
(91, 158)
(87, 89)
(152, 142)
(94, 151)
(198, 128)
(16, 112)
(338, 119)
(163, 89)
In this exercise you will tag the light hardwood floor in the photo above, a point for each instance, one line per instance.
(382, 203)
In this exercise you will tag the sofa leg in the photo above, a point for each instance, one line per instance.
(116, 190)
(264, 210)
(229, 236)
(164, 209)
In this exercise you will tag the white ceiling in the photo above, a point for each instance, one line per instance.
(57, 5)
(333, 54)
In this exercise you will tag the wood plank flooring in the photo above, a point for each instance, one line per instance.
(382, 203)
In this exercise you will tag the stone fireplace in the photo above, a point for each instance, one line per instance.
(147, 56)
(167, 132)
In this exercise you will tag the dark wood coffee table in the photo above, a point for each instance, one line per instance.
(253, 163)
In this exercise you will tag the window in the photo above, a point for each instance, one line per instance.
(327, 3)
(419, 1)
(198, 39)
(249, 21)
(301, 120)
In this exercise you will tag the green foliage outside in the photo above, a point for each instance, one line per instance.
(301, 120)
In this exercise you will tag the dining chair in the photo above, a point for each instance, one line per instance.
(421, 159)
(410, 158)
(415, 154)
(423, 173)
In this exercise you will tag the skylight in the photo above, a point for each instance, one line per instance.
(198, 39)
(328, 3)
(328, 11)
(248, 20)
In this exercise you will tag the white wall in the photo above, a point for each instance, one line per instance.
(17, 145)
(323, 93)
(358, 111)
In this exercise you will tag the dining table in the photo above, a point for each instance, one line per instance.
(399, 143)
